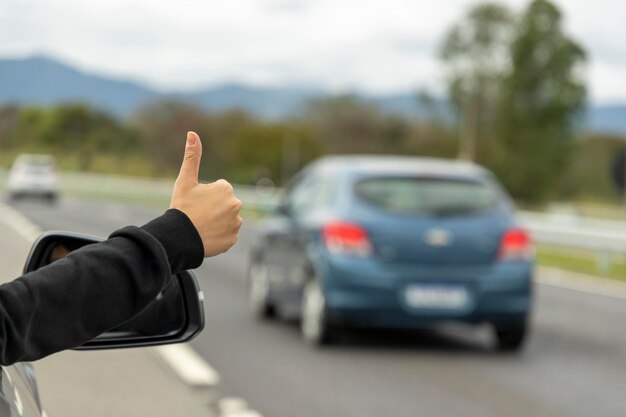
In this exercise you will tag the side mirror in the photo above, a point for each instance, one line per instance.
(283, 209)
(176, 315)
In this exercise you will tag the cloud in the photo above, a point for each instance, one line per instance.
(381, 46)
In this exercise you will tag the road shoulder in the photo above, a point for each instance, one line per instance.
(581, 282)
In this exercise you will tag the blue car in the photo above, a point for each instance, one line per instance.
(394, 242)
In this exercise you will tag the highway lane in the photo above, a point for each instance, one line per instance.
(574, 365)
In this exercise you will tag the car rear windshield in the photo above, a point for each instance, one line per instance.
(427, 196)
(35, 161)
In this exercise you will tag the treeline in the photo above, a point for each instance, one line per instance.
(237, 145)
(244, 149)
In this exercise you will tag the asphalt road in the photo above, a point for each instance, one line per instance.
(574, 365)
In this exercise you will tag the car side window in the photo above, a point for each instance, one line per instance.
(303, 195)
(325, 194)
(312, 192)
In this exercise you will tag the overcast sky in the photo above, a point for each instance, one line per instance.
(371, 45)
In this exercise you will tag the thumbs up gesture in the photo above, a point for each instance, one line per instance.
(212, 208)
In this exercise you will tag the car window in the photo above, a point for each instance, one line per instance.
(428, 196)
(325, 192)
(34, 164)
(35, 160)
(312, 191)
(303, 195)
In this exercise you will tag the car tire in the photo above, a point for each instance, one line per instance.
(314, 324)
(52, 198)
(259, 290)
(511, 339)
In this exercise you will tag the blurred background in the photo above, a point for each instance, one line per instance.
(535, 91)
(271, 85)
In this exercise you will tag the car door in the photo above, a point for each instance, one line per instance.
(287, 235)
(18, 392)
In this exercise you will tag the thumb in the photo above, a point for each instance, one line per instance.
(191, 161)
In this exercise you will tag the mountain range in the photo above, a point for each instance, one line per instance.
(44, 80)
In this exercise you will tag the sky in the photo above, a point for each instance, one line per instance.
(374, 46)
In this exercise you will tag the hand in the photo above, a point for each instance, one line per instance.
(212, 208)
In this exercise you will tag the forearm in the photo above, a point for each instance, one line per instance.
(94, 289)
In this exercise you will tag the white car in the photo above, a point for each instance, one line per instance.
(34, 175)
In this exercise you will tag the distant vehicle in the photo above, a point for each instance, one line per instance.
(34, 175)
(394, 242)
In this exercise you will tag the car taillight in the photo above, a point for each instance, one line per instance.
(516, 245)
(346, 238)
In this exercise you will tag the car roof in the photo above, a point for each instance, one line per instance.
(399, 165)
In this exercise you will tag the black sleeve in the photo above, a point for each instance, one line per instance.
(95, 288)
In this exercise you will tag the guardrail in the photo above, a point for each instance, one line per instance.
(151, 190)
(605, 237)
(576, 232)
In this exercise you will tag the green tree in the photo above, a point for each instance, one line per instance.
(86, 132)
(222, 131)
(587, 175)
(163, 126)
(541, 99)
(9, 115)
(347, 124)
(274, 150)
(475, 57)
(28, 129)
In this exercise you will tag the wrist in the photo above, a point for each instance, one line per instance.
(180, 239)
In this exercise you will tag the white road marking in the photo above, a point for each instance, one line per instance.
(243, 413)
(188, 365)
(20, 223)
(235, 407)
(229, 405)
(582, 283)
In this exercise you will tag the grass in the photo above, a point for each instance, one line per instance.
(582, 262)
(104, 163)
(248, 213)
(609, 208)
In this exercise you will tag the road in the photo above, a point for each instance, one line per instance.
(574, 364)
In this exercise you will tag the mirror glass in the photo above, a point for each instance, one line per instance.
(165, 316)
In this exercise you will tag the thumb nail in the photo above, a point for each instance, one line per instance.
(191, 139)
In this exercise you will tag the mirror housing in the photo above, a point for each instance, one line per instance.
(181, 296)
(283, 209)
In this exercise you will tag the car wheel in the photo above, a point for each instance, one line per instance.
(510, 339)
(314, 325)
(51, 198)
(259, 290)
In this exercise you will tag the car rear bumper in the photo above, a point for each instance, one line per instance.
(370, 294)
(33, 185)
(33, 189)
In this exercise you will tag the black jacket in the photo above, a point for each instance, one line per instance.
(95, 288)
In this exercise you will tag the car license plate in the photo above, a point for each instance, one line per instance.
(436, 296)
